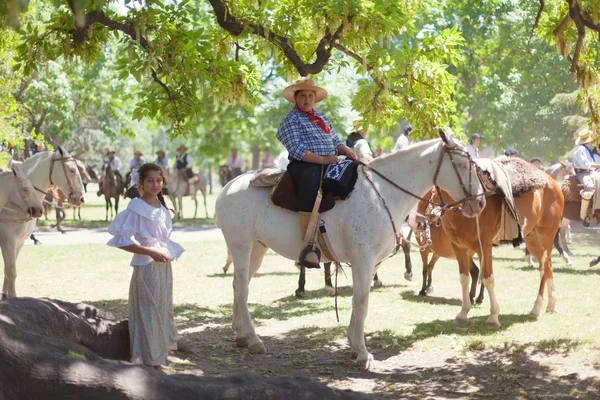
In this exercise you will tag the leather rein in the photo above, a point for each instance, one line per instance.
(63, 161)
(456, 206)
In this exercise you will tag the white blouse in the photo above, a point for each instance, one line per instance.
(149, 226)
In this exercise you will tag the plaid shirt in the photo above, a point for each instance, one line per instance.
(298, 135)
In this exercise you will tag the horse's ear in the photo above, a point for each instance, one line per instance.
(14, 172)
(60, 150)
(443, 135)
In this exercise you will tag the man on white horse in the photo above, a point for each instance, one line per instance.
(311, 141)
(584, 163)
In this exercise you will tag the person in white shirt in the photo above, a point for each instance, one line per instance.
(184, 163)
(115, 165)
(137, 161)
(357, 142)
(162, 160)
(473, 147)
(283, 160)
(233, 161)
(403, 140)
(584, 163)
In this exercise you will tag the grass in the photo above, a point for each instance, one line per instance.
(410, 335)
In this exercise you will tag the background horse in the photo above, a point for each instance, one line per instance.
(55, 198)
(85, 179)
(42, 169)
(227, 174)
(112, 187)
(178, 187)
(540, 212)
(248, 219)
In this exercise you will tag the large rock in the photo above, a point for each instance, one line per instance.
(51, 349)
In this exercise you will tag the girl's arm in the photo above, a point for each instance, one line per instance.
(157, 255)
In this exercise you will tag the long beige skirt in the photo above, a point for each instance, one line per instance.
(152, 330)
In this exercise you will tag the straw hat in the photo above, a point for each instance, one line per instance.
(584, 136)
(110, 150)
(357, 125)
(158, 152)
(182, 146)
(137, 152)
(304, 84)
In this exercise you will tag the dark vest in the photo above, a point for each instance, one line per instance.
(355, 137)
(181, 163)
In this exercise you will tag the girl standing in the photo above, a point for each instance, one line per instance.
(144, 229)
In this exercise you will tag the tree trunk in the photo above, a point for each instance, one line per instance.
(52, 349)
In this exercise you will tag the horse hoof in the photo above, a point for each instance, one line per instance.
(300, 294)
(460, 321)
(534, 314)
(257, 348)
(479, 302)
(330, 290)
(408, 276)
(241, 342)
(377, 284)
(423, 293)
(354, 355)
(225, 269)
(493, 323)
(368, 363)
(429, 290)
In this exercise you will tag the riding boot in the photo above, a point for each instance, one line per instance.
(586, 197)
(308, 258)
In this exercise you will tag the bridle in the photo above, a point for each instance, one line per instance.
(28, 213)
(63, 161)
(442, 206)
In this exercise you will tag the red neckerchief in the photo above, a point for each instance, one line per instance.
(314, 119)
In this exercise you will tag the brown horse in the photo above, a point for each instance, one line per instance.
(227, 174)
(112, 187)
(540, 212)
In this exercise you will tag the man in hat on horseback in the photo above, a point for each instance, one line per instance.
(137, 161)
(584, 163)
(162, 160)
(357, 141)
(115, 165)
(184, 163)
(311, 141)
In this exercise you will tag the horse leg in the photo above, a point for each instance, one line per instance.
(376, 281)
(227, 262)
(116, 205)
(487, 271)
(242, 324)
(205, 208)
(408, 275)
(430, 266)
(528, 258)
(534, 243)
(425, 267)
(301, 282)
(10, 253)
(180, 201)
(474, 277)
(560, 249)
(464, 266)
(595, 262)
(328, 285)
(361, 279)
(195, 206)
(108, 204)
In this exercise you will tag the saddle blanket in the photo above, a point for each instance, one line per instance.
(340, 178)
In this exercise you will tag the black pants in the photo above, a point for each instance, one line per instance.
(307, 177)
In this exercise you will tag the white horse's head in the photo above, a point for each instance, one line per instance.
(23, 195)
(458, 176)
(65, 174)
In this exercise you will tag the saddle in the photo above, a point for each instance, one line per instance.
(570, 188)
(338, 183)
(284, 192)
(524, 177)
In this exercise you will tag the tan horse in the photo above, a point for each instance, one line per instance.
(540, 215)
(178, 187)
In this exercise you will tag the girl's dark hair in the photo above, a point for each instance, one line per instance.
(143, 171)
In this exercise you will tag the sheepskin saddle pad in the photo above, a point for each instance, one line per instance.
(570, 188)
(524, 176)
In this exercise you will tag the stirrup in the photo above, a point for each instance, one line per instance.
(302, 262)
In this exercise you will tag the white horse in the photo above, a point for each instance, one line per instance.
(17, 195)
(360, 228)
(42, 169)
(178, 188)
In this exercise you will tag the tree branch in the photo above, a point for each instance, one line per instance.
(537, 21)
(232, 25)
